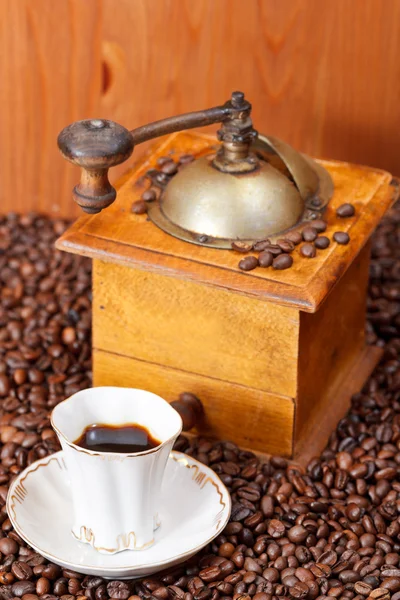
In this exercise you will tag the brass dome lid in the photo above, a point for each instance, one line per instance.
(205, 205)
(231, 205)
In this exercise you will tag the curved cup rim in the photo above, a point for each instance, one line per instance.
(113, 454)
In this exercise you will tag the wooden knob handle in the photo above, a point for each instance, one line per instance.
(190, 409)
(95, 145)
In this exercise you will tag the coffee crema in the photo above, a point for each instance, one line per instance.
(124, 439)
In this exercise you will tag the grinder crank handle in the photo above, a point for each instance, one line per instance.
(98, 144)
(95, 145)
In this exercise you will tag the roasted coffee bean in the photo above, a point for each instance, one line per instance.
(285, 245)
(251, 565)
(265, 259)
(74, 585)
(319, 225)
(274, 249)
(308, 250)
(51, 571)
(238, 559)
(249, 263)
(60, 587)
(91, 582)
(348, 576)
(6, 578)
(241, 247)
(161, 593)
(392, 584)
(8, 546)
(297, 534)
(345, 210)
(210, 574)
(118, 590)
(169, 167)
(21, 570)
(276, 529)
(261, 245)
(139, 207)
(20, 588)
(267, 506)
(362, 588)
(309, 234)
(224, 588)
(329, 558)
(341, 237)
(101, 593)
(322, 242)
(262, 596)
(283, 261)
(68, 336)
(43, 586)
(295, 237)
(379, 594)
(320, 570)
(204, 594)
(299, 590)
(226, 550)
(149, 195)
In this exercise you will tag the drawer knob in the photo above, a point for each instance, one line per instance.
(190, 408)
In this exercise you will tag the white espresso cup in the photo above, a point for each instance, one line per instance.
(115, 496)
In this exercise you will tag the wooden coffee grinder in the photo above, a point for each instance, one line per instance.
(274, 353)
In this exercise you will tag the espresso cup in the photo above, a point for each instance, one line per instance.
(115, 496)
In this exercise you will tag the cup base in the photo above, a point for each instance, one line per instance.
(123, 541)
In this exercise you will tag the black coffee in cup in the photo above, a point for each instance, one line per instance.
(124, 439)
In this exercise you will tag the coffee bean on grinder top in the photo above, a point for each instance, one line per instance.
(242, 247)
(139, 207)
(282, 262)
(322, 242)
(345, 210)
(308, 250)
(265, 259)
(249, 263)
(341, 237)
(309, 234)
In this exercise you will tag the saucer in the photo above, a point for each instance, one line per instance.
(195, 507)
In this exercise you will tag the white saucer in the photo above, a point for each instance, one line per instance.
(195, 507)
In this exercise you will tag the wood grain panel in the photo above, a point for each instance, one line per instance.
(324, 76)
(330, 341)
(50, 75)
(325, 417)
(248, 417)
(195, 328)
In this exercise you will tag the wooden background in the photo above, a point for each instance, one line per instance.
(322, 75)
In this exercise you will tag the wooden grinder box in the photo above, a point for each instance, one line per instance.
(273, 355)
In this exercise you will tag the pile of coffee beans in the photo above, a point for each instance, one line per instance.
(278, 256)
(331, 531)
